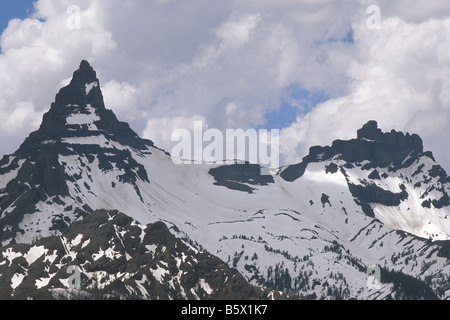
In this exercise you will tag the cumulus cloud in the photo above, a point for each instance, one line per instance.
(164, 129)
(401, 79)
(166, 63)
(123, 97)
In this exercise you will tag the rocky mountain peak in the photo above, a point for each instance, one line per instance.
(83, 89)
(79, 111)
(394, 150)
(84, 75)
(380, 149)
(370, 131)
(77, 125)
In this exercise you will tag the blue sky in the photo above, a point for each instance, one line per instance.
(296, 101)
(10, 9)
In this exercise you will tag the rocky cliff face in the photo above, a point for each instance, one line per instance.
(393, 150)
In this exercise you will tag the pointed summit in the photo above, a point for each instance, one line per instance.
(85, 74)
(370, 131)
(83, 89)
(79, 112)
(77, 126)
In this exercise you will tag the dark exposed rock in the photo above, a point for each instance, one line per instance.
(381, 150)
(426, 204)
(370, 131)
(325, 199)
(295, 171)
(73, 99)
(373, 194)
(332, 168)
(444, 201)
(374, 175)
(240, 176)
(394, 149)
(438, 171)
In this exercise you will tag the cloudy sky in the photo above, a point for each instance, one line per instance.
(315, 69)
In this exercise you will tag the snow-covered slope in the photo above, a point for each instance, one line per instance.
(313, 229)
(108, 255)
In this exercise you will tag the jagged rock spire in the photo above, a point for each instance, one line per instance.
(370, 131)
(83, 89)
(390, 149)
(79, 111)
(84, 74)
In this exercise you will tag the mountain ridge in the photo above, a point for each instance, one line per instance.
(380, 149)
(80, 105)
(118, 258)
(312, 230)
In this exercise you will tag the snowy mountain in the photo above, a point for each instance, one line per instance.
(312, 230)
(44, 184)
(391, 178)
(118, 258)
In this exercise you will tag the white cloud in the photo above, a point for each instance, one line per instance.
(160, 130)
(415, 11)
(23, 114)
(235, 34)
(401, 79)
(122, 98)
